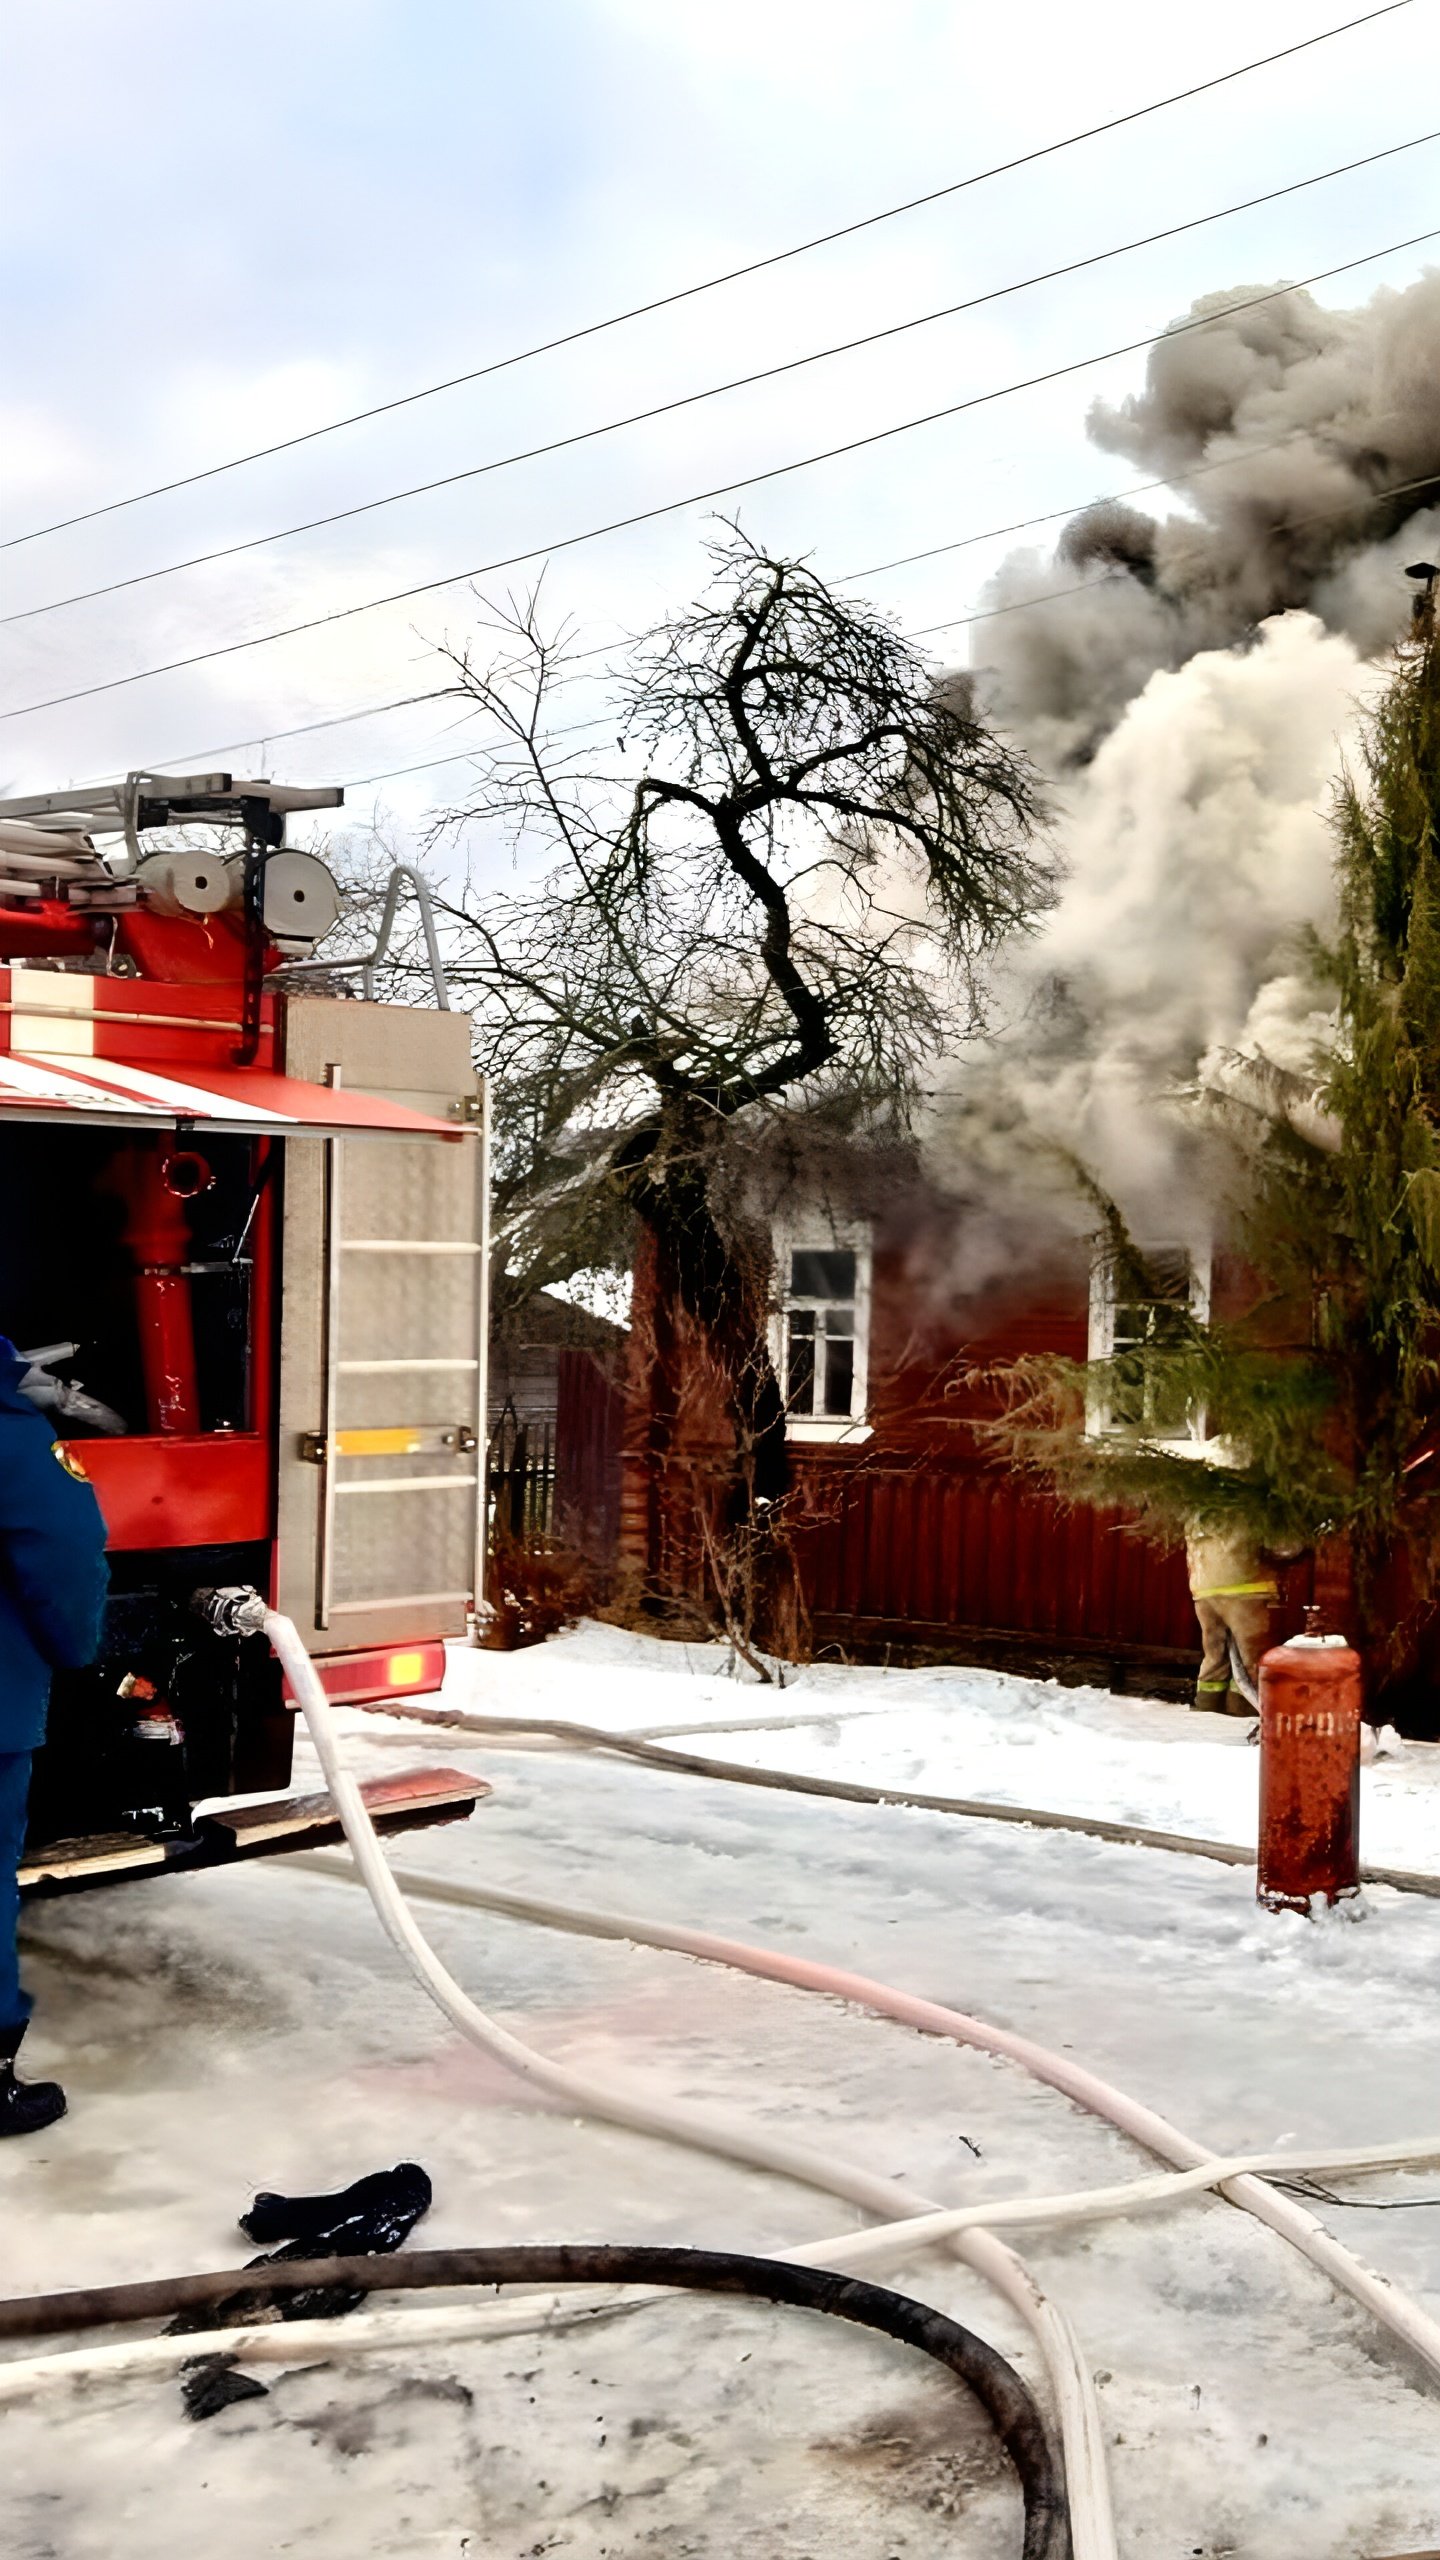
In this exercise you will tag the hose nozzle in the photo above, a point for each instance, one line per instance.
(235, 1609)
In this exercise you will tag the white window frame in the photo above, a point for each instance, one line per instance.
(821, 1234)
(1104, 1300)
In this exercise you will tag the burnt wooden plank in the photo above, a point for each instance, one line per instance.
(413, 1791)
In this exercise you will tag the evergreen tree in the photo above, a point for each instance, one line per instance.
(1318, 1405)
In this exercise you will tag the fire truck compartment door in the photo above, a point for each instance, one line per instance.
(382, 1339)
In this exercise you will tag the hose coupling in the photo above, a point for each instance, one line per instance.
(235, 1609)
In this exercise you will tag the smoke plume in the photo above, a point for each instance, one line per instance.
(1306, 445)
(1192, 696)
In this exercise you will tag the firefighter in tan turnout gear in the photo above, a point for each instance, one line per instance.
(1234, 1591)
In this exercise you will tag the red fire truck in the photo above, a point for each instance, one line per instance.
(243, 1244)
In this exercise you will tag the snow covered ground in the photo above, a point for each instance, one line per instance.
(229, 2031)
(984, 1734)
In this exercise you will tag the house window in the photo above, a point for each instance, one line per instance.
(821, 1336)
(1132, 1316)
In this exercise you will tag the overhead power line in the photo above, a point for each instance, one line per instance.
(1022, 604)
(193, 763)
(1085, 586)
(710, 284)
(959, 621)
(302, 729)
(463, 755)
(701, 497)
(1077, 507)
(197, 759)
(200, 759)
(715, 391)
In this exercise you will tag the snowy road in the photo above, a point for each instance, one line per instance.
(225, 2032)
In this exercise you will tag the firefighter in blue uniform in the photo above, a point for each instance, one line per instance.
(52, 1597)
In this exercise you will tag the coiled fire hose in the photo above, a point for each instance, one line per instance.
(994, 2383)
(1092, 2523)
(1091, 2520)
(1087, 2484)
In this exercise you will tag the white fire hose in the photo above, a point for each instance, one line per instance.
(1092, 2522)
(375, 2332)
(1087, 2482)
(911, 2222)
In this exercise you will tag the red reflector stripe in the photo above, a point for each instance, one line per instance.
(385, 1671)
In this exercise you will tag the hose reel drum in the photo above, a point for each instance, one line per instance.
(298, 898)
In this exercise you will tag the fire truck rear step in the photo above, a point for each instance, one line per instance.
(407, 1802)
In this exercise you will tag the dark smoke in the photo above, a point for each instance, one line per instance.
(1192, 693)
(1314, 418)
(1119, 537)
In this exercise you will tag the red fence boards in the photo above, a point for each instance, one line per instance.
(589, 1426)
(975, 1548)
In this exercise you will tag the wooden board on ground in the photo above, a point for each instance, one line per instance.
(406, 1802)
(106, 1853)
(392, 1803)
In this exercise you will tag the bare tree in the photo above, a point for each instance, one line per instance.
(779, 915)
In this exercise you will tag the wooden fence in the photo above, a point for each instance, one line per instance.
(936, 1553)
(932, 1552)
(522, 1478)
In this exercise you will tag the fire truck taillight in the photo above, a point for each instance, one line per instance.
(367, 1679)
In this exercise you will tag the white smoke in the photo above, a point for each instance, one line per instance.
(1197, 853)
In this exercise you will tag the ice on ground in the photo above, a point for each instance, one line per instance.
(229, 2031)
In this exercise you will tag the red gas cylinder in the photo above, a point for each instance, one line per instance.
(1309, 1773)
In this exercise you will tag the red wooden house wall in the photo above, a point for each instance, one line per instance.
(919, 1541)
(925, 1541)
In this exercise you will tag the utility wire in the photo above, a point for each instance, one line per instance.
(1051, 595)
(701, 497)
(361, 781)
(732, 275)
(1077, 507)
(201, 759)
(1022, 604)
(714, 391)
(303, 729)
(957, 622)
(1087, 586)
(394, 773)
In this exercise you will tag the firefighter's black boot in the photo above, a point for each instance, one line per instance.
(25, 2106)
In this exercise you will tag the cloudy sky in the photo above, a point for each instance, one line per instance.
(229, 224)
